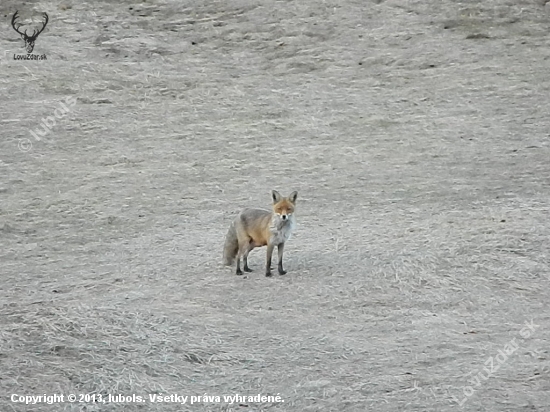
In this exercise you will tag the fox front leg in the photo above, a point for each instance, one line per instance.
(280, 250)
(268, 259)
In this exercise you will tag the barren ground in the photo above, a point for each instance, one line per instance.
(417, 135)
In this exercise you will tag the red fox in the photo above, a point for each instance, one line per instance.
(257, 227)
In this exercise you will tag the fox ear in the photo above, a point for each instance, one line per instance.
(276, 196)
(293, 196)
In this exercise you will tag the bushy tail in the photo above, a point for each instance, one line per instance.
(231, 246)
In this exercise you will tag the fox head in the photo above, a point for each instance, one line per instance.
(284, 206)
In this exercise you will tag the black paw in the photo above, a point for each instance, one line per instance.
(239, 272)
(268, 274)
(247, 269)
(282, 272)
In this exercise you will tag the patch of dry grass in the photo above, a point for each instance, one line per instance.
(420, 158)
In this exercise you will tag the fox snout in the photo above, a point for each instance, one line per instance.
(284, 215)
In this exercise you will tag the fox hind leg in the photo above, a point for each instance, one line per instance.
(245, 246)
(238, 271)
(245, 256)
(240, 253)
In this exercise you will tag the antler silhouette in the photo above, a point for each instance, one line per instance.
(29, 40)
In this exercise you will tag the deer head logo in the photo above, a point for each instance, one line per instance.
(29, 39)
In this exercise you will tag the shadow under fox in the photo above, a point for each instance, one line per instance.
(257, 227)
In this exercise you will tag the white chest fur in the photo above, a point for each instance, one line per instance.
(281, 230)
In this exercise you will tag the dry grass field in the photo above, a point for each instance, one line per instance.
(417, 135)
